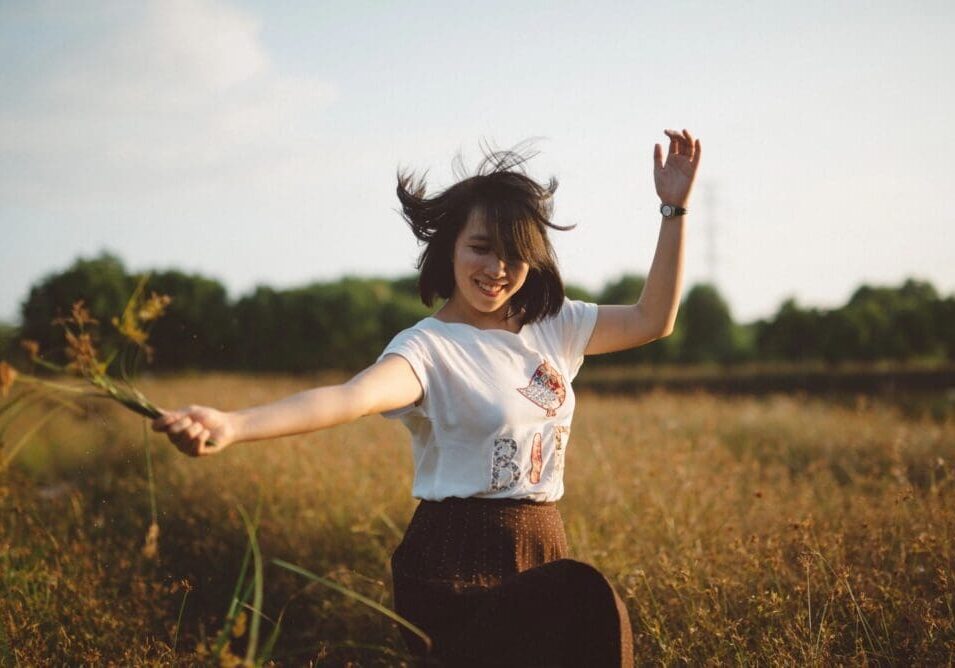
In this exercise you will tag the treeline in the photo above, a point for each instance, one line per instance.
(346, 323)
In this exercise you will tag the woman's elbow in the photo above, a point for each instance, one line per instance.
(656, 335)
(662, 329)
(657, 324)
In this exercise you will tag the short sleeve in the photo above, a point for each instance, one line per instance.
(410, 345)
(576, 322)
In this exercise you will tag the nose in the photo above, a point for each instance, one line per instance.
(495, 267)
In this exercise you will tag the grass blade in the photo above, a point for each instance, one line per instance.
(27, 436)
(374, 605)
(258, 594)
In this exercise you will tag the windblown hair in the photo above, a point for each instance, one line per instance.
(517, 211)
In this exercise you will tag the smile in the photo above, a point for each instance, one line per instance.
(491, 289)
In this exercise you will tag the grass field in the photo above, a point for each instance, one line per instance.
(745, 530)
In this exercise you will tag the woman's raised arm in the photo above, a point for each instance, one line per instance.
(386, 385)
(621, 327)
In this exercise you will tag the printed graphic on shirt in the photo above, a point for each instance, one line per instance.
(546, 389)
(504, 470)
(560, 438)
(537, 459)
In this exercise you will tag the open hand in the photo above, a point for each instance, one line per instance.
(674, 180)
(197, 430)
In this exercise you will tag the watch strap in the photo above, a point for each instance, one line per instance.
(671, 211)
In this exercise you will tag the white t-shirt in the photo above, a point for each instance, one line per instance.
(494, 419)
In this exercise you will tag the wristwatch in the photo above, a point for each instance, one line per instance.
(670, 211)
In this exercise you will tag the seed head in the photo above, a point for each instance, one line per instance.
(154, 307)
(31, 348)
(151, 546)
(238, 629)
(82, 353)
(130, 329)
(81, 316)
(8, 375)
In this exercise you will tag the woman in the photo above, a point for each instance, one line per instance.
(483, 386)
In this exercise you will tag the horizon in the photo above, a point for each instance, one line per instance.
(235, 297)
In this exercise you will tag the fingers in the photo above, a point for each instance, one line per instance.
(197, 445)
(683, 143)
(186, 430)
(692, 147)
(167, 418)
(674, 142)
(183, 434)
(687, 144)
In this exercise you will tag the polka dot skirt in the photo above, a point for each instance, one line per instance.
(488, 580)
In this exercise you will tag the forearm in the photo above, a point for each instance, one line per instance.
(300, 413)
(660, 299)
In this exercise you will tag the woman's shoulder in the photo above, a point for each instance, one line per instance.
(419, 334)
(572, 312)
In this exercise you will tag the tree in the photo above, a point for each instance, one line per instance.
(707, 326)
(341, 325)
(625, 290)
(572, 291)
(792, 334)
(944, 318)
(199, 328)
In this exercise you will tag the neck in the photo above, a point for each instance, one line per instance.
(454, 310)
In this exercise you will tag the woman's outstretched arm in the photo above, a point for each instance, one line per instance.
(386, 385)
(653, 316)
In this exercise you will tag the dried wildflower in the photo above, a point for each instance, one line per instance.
(151, 546)
(139, 312)
(82, 354)
(154, 307)
(8, 376)
(81, 316)
(229, 660)
(239, 627)
(31, 348)
(130, 329)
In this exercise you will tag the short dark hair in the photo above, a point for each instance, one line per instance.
(517, 211)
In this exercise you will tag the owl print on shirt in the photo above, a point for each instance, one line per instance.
(546, 389)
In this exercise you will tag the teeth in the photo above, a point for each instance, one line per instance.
(491, 288)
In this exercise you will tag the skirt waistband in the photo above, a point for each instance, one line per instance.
(481, 501)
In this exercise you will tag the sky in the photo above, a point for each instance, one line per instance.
(257, 142)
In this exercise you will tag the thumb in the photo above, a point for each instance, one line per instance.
(657, 156)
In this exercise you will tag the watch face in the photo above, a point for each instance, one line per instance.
(666, 210)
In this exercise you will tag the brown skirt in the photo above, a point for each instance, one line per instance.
(488, 580)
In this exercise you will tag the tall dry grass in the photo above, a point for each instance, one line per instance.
(775, 530)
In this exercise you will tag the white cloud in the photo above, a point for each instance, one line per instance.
(148, 97)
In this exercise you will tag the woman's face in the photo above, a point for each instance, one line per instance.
(483, 281)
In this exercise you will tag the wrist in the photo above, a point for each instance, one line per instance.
(672, 210)
(238, 422)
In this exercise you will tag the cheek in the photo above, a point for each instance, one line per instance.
(519, 276)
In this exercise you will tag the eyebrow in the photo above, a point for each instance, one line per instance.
(479, 237)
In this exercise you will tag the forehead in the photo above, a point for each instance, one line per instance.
(475, 227)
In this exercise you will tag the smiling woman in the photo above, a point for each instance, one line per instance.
(487, 236)
(485, 283)
(484, 388)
